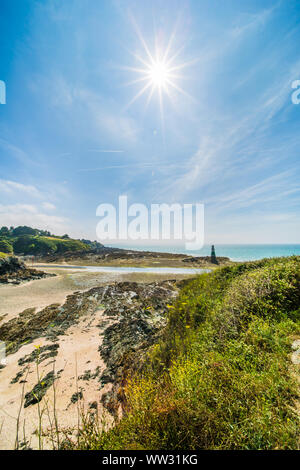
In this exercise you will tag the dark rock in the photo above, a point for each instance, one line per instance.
(40, 354)
(18, 376)
(205, 260)
(39, 390)
(76, 396)
(14, 271)
(93, 405)
(141, 315)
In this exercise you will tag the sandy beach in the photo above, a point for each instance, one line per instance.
(43, 292)
(77, 355)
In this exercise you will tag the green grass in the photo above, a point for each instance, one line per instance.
(221, 377)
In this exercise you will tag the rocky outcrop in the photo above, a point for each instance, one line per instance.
(200, 260)
(129, 316)
(121, 257)
(141, 315)
(14, 271)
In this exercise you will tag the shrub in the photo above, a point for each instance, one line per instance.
(5, 247)
(267, 293)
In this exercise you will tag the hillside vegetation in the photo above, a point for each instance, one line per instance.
(221, 377)
(29, 241)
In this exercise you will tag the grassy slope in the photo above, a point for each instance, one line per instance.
(30, 241)
(221, 378)
(37, 244)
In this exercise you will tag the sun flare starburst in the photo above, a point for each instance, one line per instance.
(158, 72)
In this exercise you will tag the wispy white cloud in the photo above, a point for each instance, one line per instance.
(103, 114)
(48, 206)
(31, 215)
(250, 22)
(120, 127)
(105, 151)
(11, 187)
(271, 189)
(238, 144)
(15, 151)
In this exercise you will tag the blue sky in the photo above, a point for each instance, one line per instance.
(69, 139)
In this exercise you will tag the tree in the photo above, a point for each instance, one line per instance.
(5, 247)
(4, 232)
(30, 245)
(24, 230)
(22, 244)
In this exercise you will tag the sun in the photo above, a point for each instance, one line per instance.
(158, 72)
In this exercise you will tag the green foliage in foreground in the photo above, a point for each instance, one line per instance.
(221, 377)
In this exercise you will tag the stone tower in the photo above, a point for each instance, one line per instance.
(213, 258)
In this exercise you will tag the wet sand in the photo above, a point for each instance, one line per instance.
(42, 292)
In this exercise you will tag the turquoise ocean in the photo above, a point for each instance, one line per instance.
(234, 252)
